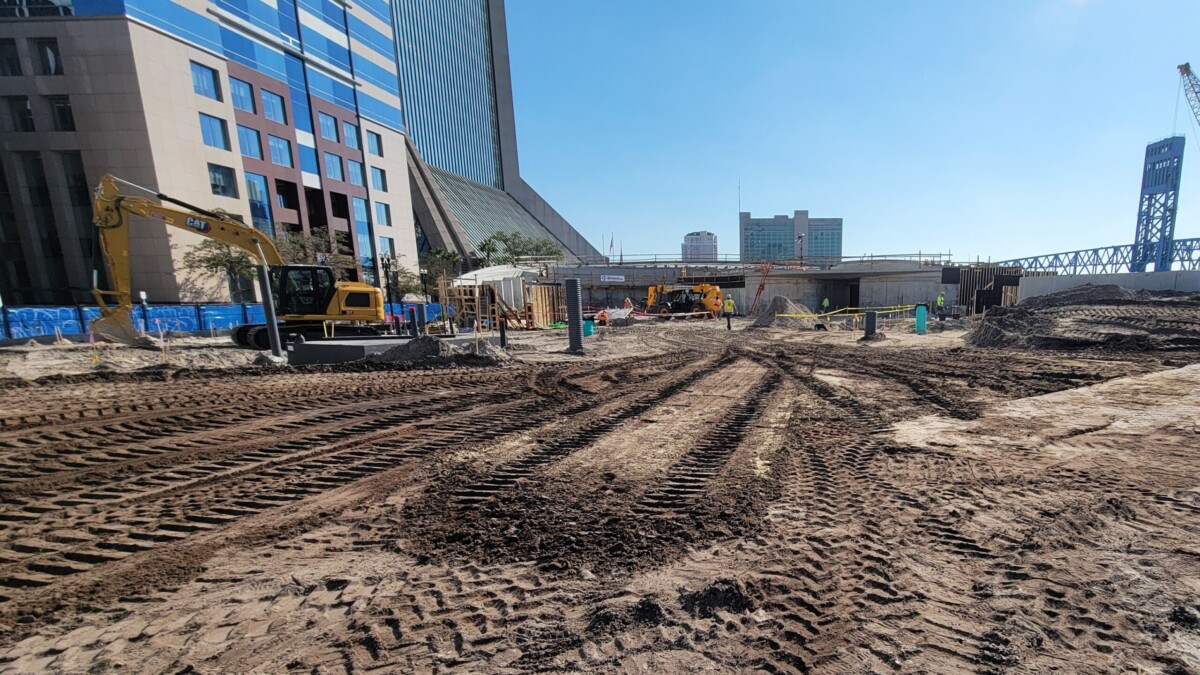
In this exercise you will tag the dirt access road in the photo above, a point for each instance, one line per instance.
(686, 500)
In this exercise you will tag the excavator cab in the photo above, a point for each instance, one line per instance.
(302, 289)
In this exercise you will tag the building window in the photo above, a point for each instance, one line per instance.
(79, 191)
(308, 160)
(250, 142)
(286, 195)
(281, 151)
(242, 94)
(333, 166)
(60, 111)
(329, 127)
(223, 180)
(205, 81)
(10, 62)
(20, 113)
(387, 247)
(383, 214)
(374, 144)
(354, 173)
(366, 244)
(48, 59)
(260, 203)
(215, 132)
(273, 107)
(350, 134)
(340, 208)
(378, 179)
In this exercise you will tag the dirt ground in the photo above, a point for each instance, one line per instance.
(33, 360)
(678, 499)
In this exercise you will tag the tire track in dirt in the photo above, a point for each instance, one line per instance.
(142, 525)
(507, 476)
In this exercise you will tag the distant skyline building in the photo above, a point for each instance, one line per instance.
(823, 238)
(699, 246)
(788, 237)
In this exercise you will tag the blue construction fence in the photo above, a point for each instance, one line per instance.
(31, 322)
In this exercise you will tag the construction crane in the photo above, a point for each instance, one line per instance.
(1191, 88)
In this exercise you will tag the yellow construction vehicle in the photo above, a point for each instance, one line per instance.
(665, 299)
(306, 297)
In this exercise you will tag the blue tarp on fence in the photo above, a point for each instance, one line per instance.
(433, 311)
(29, 322)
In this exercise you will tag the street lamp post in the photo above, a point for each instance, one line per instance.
(387, 280)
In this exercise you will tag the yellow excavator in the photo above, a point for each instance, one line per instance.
(665, 299)
(305, 297)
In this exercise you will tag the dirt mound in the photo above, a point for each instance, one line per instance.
(418, 349)
(1102, 317)
(766, 317)
(722, 594)
(612, 620)
(493, 351)
(873, 337)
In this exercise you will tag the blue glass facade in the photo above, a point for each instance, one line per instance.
(446, 72)
(363, 233)
(260, 203)
(342, 54)
(322, 29)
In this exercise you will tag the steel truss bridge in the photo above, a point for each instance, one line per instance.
(1185, 255)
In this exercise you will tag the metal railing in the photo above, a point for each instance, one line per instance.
(733, 260)
(1185, 256)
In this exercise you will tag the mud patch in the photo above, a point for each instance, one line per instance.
(724, 595)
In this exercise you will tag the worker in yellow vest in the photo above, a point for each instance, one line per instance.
(728, 308)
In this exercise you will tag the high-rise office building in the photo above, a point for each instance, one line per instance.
(288, 113)
(457, 89)
(823, 239)
(699, 246)
(789, 237)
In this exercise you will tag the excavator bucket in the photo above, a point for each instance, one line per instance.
(118, 327)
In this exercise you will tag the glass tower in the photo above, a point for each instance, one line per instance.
(447, 78)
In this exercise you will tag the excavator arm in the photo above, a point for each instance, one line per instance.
(111, 212)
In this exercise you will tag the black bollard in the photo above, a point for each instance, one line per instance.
(503, 333)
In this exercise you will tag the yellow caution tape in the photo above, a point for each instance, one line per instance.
(892, 309)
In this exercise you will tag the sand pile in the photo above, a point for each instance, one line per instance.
(431, 351)
(766, 315)
(418, 349)
(1102, 317)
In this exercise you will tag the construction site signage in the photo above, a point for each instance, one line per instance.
(612, 277)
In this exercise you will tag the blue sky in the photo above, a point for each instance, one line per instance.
(1000, 128)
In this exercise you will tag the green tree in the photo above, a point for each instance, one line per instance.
(510, 248)
(401, 279)
(314, 248)
(213, 257)
(440, 263)
(218, 259)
